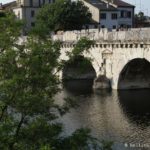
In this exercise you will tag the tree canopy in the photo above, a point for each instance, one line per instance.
(140, 16)
(28, 84)
(64, 15)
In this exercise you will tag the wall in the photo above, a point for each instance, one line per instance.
(109, 22)
(137, 34)
(127, 21)
(27, 16)
(94, 11)
(18, 12)
(24, 9)
(121, 56)
(112, 51)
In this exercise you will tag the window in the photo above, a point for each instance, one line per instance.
(126, 14)
(32, 24)
(39, 3)
(129, 14)
(122, 26)
(122, 13)
(114, 26)
(31, 3)
(128, 26)
(102, 26)
(114, 16)
(95, 26)
(32, 13)
(103, 15)
(86, 27)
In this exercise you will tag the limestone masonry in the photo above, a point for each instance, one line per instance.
(112, 52)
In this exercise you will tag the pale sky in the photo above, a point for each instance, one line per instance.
(143, 5)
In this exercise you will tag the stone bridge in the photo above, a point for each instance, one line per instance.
(121, 56)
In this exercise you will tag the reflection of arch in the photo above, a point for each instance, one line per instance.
(78, 68)
(135, 104)
(135, 75)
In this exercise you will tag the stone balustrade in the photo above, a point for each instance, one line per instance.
(130, 35)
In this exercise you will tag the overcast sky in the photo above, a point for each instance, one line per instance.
(143, 5)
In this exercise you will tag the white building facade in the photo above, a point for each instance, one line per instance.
(114, 14)
(28, 9)
(109, 19)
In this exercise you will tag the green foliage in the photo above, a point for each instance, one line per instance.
(82, 46)
(64, 15)
(140, 17)
(28, 84)
(76, 56)
(80, 139)
(10, 29)
(106, 145)
(76, 67)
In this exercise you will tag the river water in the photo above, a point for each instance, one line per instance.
(119, 116)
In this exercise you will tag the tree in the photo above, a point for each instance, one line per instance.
(140, 16)
(64, 15)
(28, 84)
(141, 20)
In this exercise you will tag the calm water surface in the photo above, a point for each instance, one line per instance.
(119, 116)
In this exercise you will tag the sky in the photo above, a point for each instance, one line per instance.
(141, 5)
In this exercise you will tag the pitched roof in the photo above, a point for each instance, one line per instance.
(121, 3)
(9, 5)
(101, 5)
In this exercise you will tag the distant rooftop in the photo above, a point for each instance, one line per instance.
(121, 3)
(110, 5)
(9, 5)
(101, 5)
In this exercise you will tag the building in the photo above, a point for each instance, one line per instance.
(112, 14)
(26, 10)
(8, 6)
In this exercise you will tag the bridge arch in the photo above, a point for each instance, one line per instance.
(135, 74)
(95, 59)
(78, 68)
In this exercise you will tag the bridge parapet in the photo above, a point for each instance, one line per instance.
(103, 35)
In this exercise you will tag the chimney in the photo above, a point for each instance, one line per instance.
(107, 5)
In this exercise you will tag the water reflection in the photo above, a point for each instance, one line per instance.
(120, 116)
(78, 87)
(136, 105)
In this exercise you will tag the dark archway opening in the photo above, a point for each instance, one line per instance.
(78, 75)
(135, 75)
